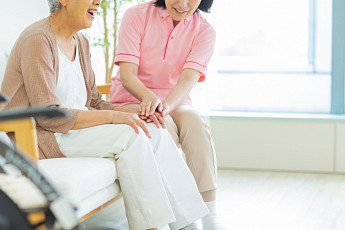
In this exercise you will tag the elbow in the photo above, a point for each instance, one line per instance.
(128, 72)
(124, 81)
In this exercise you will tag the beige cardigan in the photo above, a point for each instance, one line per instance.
(31, 77)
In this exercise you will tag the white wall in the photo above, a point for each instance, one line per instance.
(278, 143)
(16, 15)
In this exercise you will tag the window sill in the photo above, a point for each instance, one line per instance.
(278, 116)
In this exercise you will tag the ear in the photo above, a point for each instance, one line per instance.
(63, 2)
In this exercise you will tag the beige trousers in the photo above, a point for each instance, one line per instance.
(190, 131)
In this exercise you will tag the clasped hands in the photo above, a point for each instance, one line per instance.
(151, 109)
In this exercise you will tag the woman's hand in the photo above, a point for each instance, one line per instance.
(156, 118)
(166, 110)
(127, 110)
(150, 104)
(130, 119)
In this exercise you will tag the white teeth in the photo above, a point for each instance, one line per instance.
(92, 12)
(180, 11)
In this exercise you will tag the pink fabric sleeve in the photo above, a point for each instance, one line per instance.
(128, 47)
(201, 51)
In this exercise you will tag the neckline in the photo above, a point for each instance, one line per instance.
(76, 57)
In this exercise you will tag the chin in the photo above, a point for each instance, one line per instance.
(87, 25)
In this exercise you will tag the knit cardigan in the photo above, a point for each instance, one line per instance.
(31, 78)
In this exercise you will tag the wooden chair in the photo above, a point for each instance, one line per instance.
(26, 140)
(104, 89)
(25, 130)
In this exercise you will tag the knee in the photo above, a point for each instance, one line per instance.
(192, 120)
(131, 136)
(156, 133)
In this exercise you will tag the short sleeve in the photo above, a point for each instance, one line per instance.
(130, 33)
(202, 50)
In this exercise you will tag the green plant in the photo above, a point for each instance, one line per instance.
(109, 15)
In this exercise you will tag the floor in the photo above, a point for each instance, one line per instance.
(258, 200)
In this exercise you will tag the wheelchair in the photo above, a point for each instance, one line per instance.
(28, 201)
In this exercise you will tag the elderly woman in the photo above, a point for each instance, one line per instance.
(163, 51)
(50, 66)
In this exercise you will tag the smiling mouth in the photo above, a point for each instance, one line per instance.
(92, 12)
(179, 11)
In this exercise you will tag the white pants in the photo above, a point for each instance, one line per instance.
(157, 186)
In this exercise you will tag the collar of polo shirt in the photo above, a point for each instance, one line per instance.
(163, 13)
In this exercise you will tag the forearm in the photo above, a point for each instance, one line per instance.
(87, 119)
(182, 89)
(131, 82)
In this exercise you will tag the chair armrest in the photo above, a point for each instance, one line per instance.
(104, 89)
(25, 135)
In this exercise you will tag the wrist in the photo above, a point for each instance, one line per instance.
(147, 94)
(117, 108)
(109, 116)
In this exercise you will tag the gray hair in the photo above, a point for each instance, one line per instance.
(54, 5)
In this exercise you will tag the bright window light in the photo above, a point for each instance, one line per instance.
(270, 56)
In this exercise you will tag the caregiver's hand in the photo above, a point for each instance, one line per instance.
(150, 104)
(156, 118)
(166, 109)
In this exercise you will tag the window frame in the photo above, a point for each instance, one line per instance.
(338, 58)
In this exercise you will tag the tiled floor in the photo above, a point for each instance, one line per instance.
(256, 200)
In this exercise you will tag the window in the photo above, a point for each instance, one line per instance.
(270, 55)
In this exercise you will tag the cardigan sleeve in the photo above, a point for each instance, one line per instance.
(39, 71)
(96, 101)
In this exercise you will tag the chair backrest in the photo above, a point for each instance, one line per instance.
(104, 89)
(25, 135)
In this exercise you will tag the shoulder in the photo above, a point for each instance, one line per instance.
(141, 11)
(38, 33)
(206, 27)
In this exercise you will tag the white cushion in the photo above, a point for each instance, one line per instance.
(78, 178)
(97, 199)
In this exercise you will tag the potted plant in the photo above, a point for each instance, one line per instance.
(109, 16)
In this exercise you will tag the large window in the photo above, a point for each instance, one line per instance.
(270, 55)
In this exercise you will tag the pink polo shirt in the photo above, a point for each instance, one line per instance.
(148, 38)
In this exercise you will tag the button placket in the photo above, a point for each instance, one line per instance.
(170, 39)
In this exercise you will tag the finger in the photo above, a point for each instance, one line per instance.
(153, 107)
(142, 110)
(147, 110)
(161, 120)
(163, 111)
(160, 107)
(143, 126)
(155, 120)
(134, 126)
(143, 117)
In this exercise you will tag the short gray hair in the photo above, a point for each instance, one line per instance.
(54, 5)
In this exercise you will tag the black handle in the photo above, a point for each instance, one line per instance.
(47, 112)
